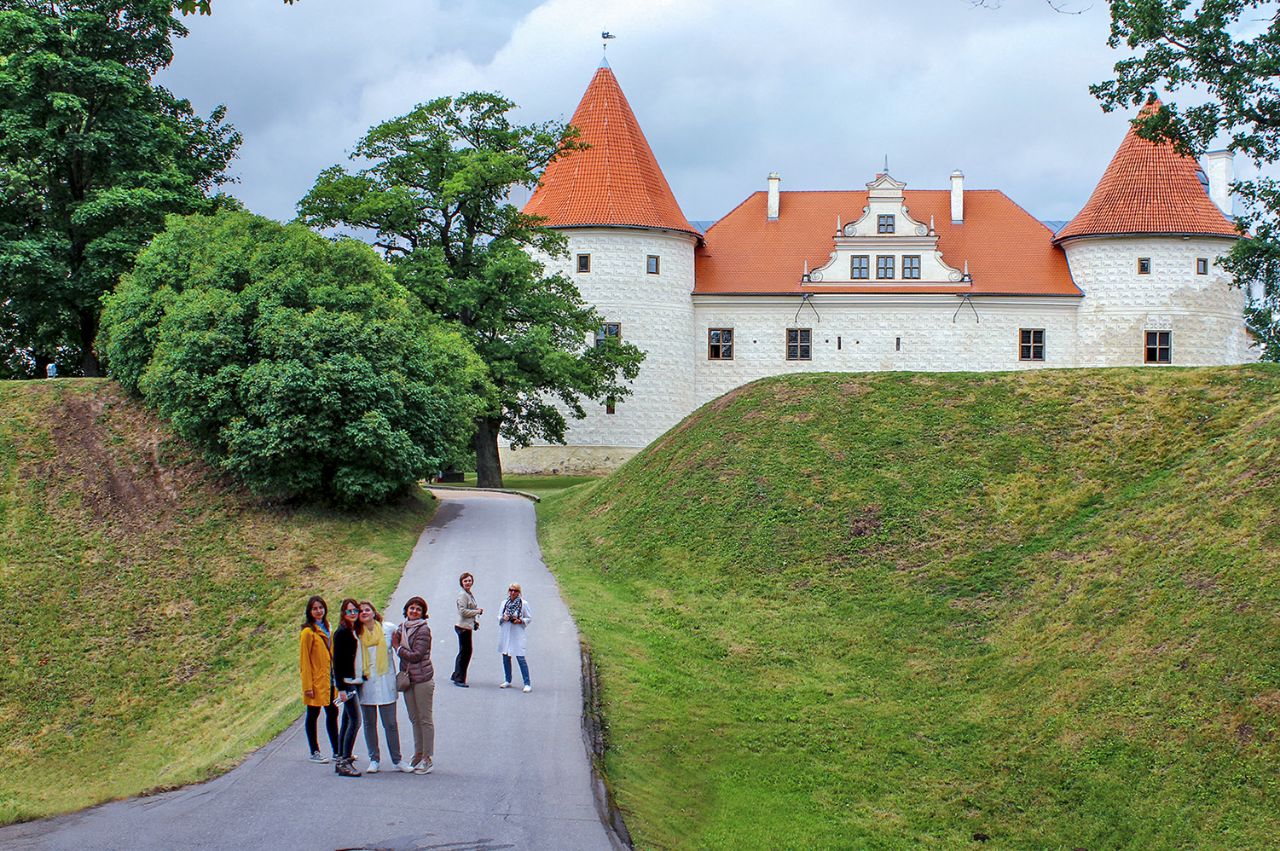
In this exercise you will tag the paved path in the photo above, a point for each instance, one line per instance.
(511, 768)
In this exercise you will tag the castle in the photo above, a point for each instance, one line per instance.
(881, 278)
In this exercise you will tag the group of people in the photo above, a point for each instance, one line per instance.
(359, 669)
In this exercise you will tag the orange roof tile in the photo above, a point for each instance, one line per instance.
(1148, 188)
(1009, 252)
(616, 181)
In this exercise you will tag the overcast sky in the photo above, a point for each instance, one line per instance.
(725, 90)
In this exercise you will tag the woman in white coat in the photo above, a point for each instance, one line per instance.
(378, 695)
(513, 617)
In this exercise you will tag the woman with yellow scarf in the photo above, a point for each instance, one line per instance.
(378, 694)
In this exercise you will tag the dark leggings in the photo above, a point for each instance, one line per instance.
(464, 655)
(330, 726)
(350, 725)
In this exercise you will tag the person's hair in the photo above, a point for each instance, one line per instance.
(359, 627)
(515, 586)
(306, 613)
(421, 603)
(464, 575)
(377, 616)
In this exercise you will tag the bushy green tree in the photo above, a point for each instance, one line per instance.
(298, 364)
(92, 158)
(433, 193)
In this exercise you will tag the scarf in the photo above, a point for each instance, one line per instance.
(406, 638)
(373, 637)
(512, 608)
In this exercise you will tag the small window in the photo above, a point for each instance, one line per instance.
(1158, 348)
(911, 266)
(860, 267)
(584, 262)
(1202, 265)
(884, 224)
(798, 344)
(610, 405)
(1144, 265)
(651, 264)
(720, 344)
(1030, 344)
(884, 266)
(608, 331)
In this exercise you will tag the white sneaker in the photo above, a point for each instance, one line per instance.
(528, 689)
(505, 685)
(318, 758)
(373, 767)
(405, 767)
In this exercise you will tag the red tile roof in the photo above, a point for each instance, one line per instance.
(1009, 252)
(1148, 188)
(616, 181)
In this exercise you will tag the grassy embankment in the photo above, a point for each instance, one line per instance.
(895, 610)
(151, 609)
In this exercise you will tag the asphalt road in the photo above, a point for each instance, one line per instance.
(511, 769)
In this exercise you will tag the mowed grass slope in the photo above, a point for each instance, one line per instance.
(150, 608)
(902, 610)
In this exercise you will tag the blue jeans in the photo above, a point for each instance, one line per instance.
(506, 668)
(350, 725)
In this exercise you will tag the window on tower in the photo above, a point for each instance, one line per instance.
(1159, 348)
(884, 223)
(719, 344)
(608, 331)
(1144, 265)
(584, 262)
(1202, 265)
(1030, 344)
(651, 264)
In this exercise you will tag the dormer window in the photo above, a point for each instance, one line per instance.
(884, 224)
(884, 266)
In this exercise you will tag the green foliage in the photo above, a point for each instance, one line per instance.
(92, 157)
(1226, 53)
(298, 364)
(434, 193)
(898, 610)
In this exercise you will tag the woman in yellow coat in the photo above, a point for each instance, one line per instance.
(315, 659)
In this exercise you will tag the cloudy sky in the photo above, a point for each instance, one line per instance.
(725, 90)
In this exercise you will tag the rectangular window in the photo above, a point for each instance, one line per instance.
(798, 344)
(651, 264)
(1030, 344)
(610, 405)
(720, 344)
(1158, 348)
(884, 224)
(911, 266)
(1144, 265)
(584, 262)
(1202, 265)
(860, 267)
(608, 331)
(884, 266)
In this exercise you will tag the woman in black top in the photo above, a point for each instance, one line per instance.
(347, 675)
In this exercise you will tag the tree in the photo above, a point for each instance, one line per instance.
(296, 363)
(433, 196)
(92, 158)
(1216, 51)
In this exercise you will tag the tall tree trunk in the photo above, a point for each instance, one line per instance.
(488, 464)
(88, 334)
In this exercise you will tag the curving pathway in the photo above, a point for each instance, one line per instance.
(512, 769)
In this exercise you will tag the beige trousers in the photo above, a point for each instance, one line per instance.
(419, 700)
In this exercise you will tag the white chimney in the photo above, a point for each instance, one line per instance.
(774, 182)
(1220, 168)
(957, 197)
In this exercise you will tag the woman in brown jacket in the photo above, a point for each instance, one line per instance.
(315, 659)
(412, 642)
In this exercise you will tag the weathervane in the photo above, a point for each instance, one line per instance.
(604, 39)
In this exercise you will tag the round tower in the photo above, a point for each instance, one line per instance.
(1144, 250)
(630, 253)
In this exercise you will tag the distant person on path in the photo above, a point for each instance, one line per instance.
(347, 674)
(513, 620)
(467, 624)
(412, 642)
(315, 658)
(378, 695)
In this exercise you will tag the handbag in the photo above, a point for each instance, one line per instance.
(402, 676)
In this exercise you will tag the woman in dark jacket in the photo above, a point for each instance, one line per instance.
(347, 674)
(412, 642)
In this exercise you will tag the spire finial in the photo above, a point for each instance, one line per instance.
(886, 163)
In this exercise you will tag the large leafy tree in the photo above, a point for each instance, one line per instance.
(92, 158)
(1226, 55)
(432, 193)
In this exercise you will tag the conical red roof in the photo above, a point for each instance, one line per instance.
(616, 181)
(1148, 188)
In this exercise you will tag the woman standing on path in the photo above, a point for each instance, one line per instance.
(412, 642)
(315, 659)
(378, 696)
(348, 676)
(467, 624)
(513, 620)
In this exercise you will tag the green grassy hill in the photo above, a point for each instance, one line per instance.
(895, 610)
(150, 608)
